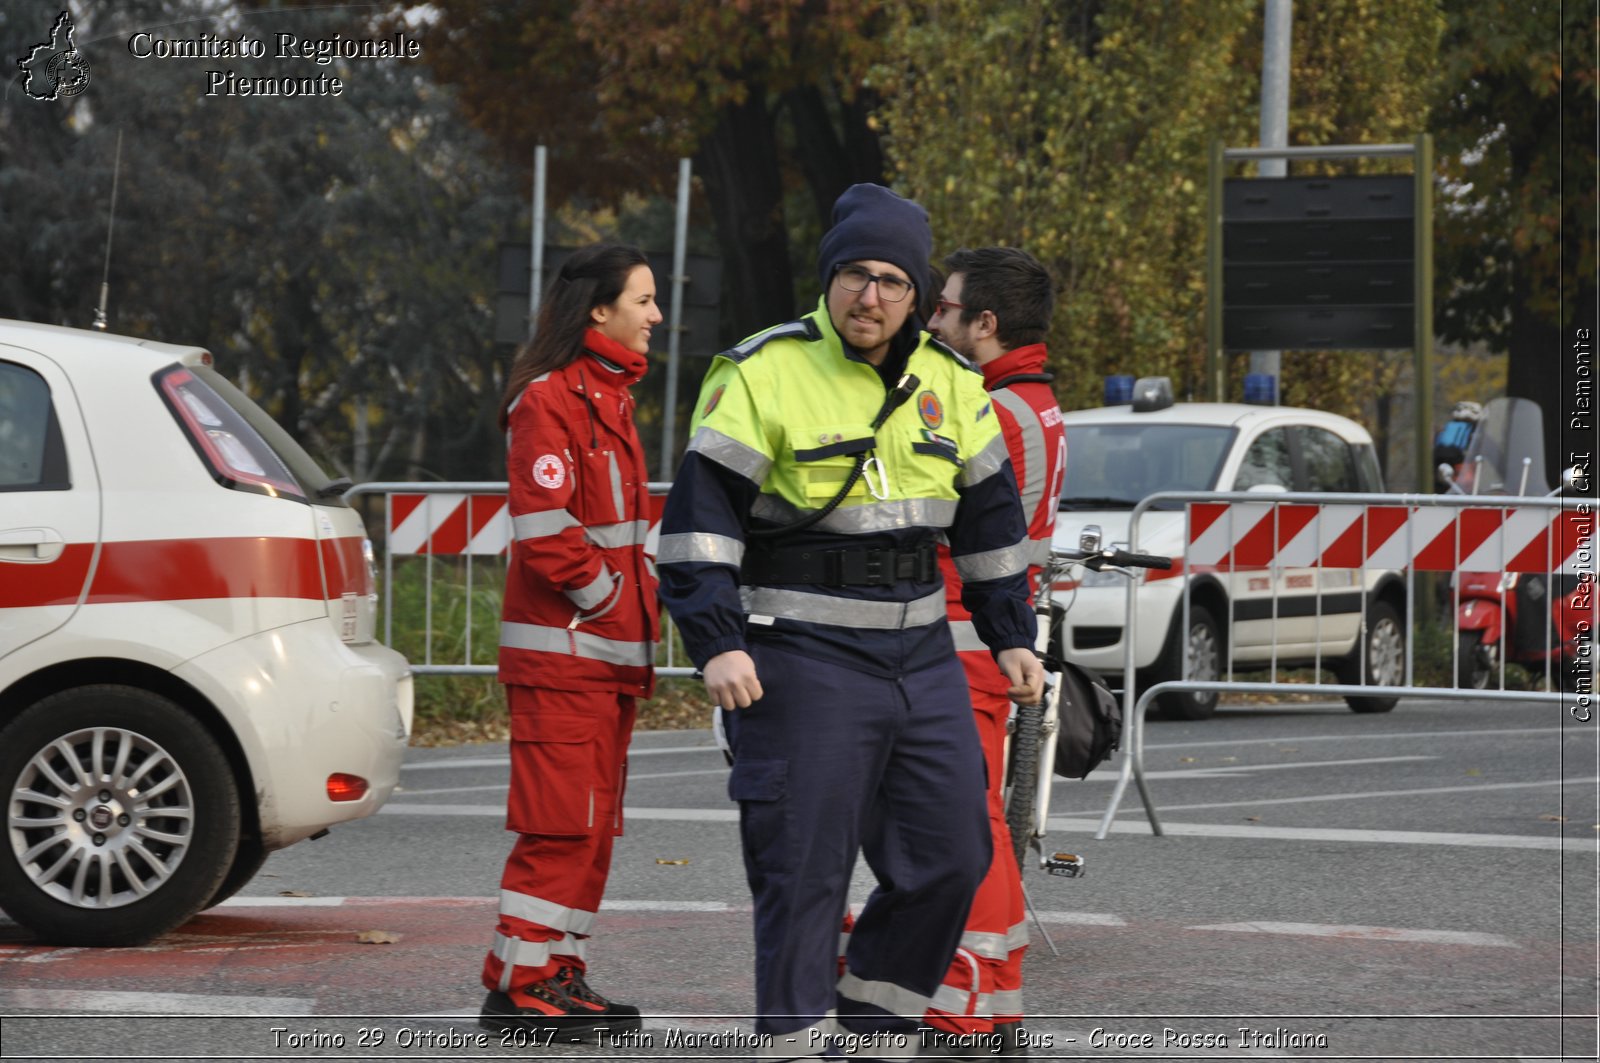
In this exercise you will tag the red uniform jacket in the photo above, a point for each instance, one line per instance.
(1037, 442)
(580, 607)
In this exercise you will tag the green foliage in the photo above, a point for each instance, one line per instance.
(1081, 132)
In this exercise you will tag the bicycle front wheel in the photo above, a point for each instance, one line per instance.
(1024, 788)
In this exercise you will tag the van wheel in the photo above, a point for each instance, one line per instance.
(122, 817)
(1384, 643)
(1205, 665)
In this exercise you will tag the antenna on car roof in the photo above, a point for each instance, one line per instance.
(111, 221)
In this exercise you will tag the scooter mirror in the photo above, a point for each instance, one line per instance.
(1089, 539)
(1573, 479)
(1447, 473)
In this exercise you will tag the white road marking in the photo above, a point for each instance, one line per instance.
(1228, 771)
(504, 761)
(1367, 933)
(124, 1005)
(1314, 798)
(1087, 826)
(1357, 736)
(282, 902)
(1319, 834)
(1081, 918)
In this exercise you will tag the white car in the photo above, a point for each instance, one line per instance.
(1118, 455)
(188, 678)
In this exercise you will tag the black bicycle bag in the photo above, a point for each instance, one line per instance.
(1090, 722)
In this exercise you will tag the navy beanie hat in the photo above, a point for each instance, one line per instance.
(872, 222)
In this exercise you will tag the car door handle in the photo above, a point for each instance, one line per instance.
(30, 544)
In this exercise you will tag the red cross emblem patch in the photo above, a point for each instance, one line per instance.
(549, 472)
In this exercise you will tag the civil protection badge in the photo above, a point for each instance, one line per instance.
(931, 409)
(711, 403)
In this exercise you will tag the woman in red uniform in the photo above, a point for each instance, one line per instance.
(578, 632)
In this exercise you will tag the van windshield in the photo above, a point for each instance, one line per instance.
(1114, 466)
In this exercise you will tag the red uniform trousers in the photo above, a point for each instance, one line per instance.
(984, 983)
(569, 754)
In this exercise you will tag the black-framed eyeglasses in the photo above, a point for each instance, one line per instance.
(891, 289)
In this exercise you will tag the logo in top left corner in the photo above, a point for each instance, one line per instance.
(55, 69)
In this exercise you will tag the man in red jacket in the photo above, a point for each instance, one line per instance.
(995, 310)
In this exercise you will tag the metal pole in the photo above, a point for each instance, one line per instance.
(1274, 128)
(680, 239)
(535, 288)
(1215, 389)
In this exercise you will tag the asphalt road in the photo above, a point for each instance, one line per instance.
(1420, 884)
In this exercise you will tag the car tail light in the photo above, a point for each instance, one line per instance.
(234, 452)
(345, 787)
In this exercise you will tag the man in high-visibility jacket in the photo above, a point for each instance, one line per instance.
(995, 310)
(797, 558)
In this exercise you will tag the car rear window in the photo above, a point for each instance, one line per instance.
(32, 456)
(1119, 464)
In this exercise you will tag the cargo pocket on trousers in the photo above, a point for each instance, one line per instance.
(761, 788)
(552, 775)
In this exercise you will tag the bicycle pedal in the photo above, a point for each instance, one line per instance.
(1067, 865)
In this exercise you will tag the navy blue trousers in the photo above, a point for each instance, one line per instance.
(830, 762)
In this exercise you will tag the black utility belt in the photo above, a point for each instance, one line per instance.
(851, 566)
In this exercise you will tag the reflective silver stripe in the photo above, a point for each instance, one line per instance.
(728, 452)
(616, 483)
(966, 636)
(1032, 473)
(989, 946)
(514, 952)
(843, 612)
(994, 564)
(1006, 1002)
(897, 1000)
(592, 594)
(794, 1044)
(1041, 552)
(538, 525)
(700, 546)
(531, 909)
(1017, 936)
(559, 640)
(865, 519)
(985, 463)
(614, 536)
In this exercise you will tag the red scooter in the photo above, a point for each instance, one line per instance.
(1531, 619)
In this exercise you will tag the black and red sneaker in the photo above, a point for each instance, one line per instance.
(562, 1007)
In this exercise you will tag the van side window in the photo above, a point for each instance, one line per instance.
(32, 455)
(1266, 462)
(1328, 461)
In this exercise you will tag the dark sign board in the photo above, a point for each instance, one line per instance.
(1322, 263)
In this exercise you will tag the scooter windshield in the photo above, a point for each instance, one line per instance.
(1509, 440)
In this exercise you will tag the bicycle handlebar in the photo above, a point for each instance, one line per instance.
(1111, 556)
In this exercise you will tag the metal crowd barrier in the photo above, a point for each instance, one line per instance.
(1232, 533)
(426, 521)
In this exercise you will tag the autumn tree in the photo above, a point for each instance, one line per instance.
(1080, 132)
(1516, 129)
(764, 95)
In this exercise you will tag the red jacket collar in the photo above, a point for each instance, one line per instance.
(618, 363)
(1029, 359)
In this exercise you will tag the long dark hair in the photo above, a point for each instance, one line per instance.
(590, 277)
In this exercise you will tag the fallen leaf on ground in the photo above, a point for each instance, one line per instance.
(293, 893)
(1474, 771)
(1252, 819)
(1185, 760)
(675, 863)
(377, 937)
(1554, 819)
